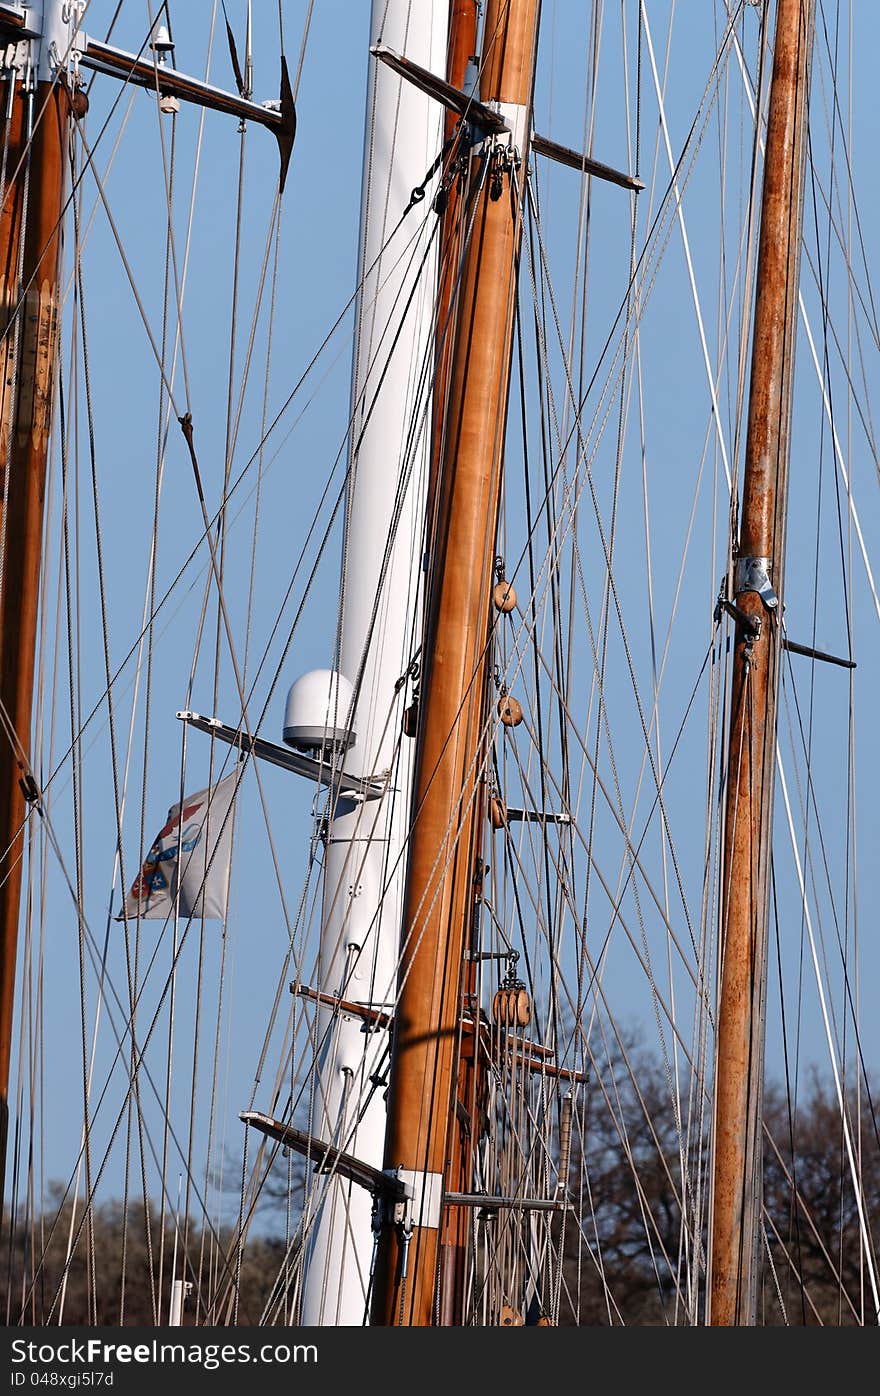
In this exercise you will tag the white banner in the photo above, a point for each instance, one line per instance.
(189, 858)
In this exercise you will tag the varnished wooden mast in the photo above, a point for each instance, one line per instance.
(455, 1225)
(30, 314)
(758, 580)
(439, 887)
(462, 46)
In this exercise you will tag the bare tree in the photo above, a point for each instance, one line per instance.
(622, 1255)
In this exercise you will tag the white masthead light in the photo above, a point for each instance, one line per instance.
(162, 44)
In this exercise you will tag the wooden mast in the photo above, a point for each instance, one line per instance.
(455, 1221)
(461, 47)
(758, 578)
(30, 311)
(439, 887)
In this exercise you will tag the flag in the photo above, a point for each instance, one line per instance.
(189, 858)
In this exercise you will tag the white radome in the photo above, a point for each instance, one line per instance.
(318, 709)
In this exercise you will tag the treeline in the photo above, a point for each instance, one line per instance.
(116, 1285)
(622, 1246)
(622, 1264)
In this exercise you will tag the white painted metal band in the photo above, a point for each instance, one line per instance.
(424, 1196)
(58, 23)
(516, 116)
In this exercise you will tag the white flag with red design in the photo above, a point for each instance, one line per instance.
(188, 864)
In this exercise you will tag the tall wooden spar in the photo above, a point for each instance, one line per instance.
(439, 886)
(461, 47)
(30, 247)
(758, 581)
(456, 1222)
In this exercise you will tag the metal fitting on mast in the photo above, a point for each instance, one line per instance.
(517, 118)
(753, 574)
(59, 41)
(421, 1203)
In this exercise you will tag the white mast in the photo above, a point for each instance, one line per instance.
(364, 873)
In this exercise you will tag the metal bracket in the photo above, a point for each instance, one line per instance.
(753, 574)
(14, 57)
(750, 624)
(516, 119)
(423, 1201)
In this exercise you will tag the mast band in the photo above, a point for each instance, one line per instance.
(753, 574)
(424, 1197)
(516, 115)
